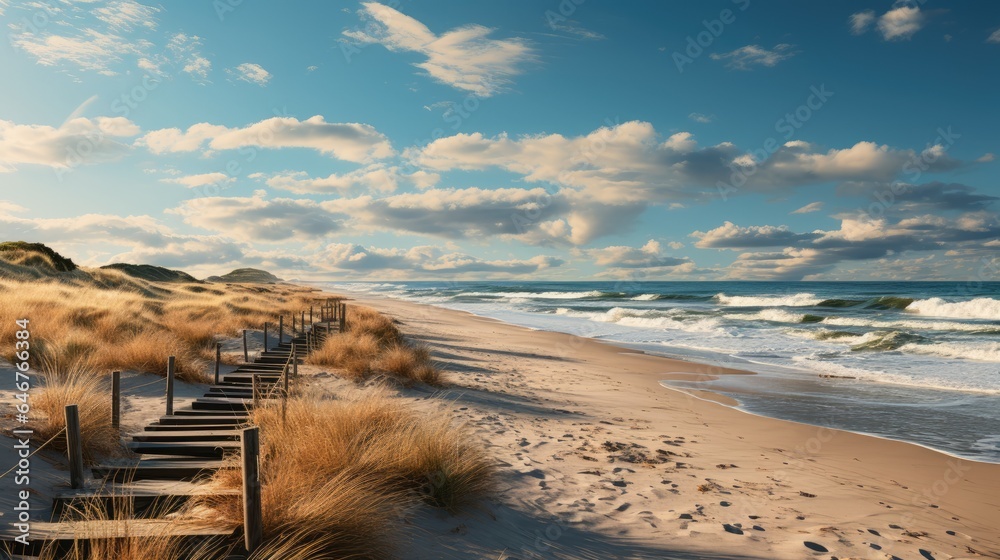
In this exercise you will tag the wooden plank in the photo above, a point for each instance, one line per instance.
(61, 538)
(200, 419)
(189, 435)
(141, 500)
(158, 469)
(191, 427)
(192, 412)
(208, 450)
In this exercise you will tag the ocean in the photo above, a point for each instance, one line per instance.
(912, 361)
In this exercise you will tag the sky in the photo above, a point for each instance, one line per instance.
(524, 139)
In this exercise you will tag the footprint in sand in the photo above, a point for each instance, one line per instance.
(816, 547)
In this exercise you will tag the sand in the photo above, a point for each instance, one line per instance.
(598, 460)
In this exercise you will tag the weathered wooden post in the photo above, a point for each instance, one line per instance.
(303, 319)
(295, 362)
(310, 314)
(170, 386)
(246, 351)
(116, 400)
(343, 317)
(253, 525)
(265, 336)
(293, 325)
(256, 389)
(74, 446)
(218, 360)
(284, 394)
(281, 329)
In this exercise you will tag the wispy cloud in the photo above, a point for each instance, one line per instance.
(752, 56)
(201, 180)
(465, 58)
(701, 118)
(347, 141)
(862, 21)
(808, 208)
(994, 37)
(250, 73)
(125, 15)
(90, 50)
(76, 142)
(186, 51)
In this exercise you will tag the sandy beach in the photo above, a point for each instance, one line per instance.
(599, 460)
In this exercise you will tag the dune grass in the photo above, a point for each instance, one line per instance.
(342, 472)
(105, 320)
(89, 392)
(373, 345)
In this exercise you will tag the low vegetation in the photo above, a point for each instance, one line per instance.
(373, 345)
(338, 474)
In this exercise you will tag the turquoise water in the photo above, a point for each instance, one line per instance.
(916, 361)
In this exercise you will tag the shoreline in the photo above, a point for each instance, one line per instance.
(841, 478)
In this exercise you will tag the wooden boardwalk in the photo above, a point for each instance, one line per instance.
(173, 455)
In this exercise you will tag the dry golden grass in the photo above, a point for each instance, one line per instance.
(90, 393)
(344, 470)
(106, 320)
(372, 344)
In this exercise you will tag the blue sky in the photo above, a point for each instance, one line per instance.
(573, 139)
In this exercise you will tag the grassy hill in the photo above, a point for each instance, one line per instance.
(246, 276)
(152, 273)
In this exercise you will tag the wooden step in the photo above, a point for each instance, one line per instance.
(189, 435)
(143, 499)
(158, 469)
(207, 449)
(242, 413)
(201, 419)
(191, 427)
(62, 538)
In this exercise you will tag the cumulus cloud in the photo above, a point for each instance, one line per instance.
(630, 163)
(752, 56)
(904, 198)
(994, 37)
(649, 255)
(258, 219)
(201, 180)
(424, 261)
(77, 141)
(250, 73)
(347, 141)
(375, 178)
(859, 238)
(465, 58)
(808, 208)
(903, 20)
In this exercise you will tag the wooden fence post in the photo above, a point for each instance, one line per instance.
(295, 362)
(218, 360)
(253, 529)
(281, 329)
(116, 400)
(343, 317)
(303, 319)
(255, 389)
(265, 336)
(293, 325)
(310, 314)
(246, 352)
(170, 386)
(74, 446)
(284, 394)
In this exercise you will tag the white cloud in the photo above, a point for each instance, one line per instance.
(90, 50)
(423, 261)
(375, 178)
(258, 219)
(750, 56)
(994, 37)
(186, 51)
(201, 180)
(700, 118)
(901, 23)
(811, 207)
(630, 163)
(464, 58)
(251, 73)
(649, 255)
(347, 141)
(862, 21)
(76, 142)
(125, 15)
